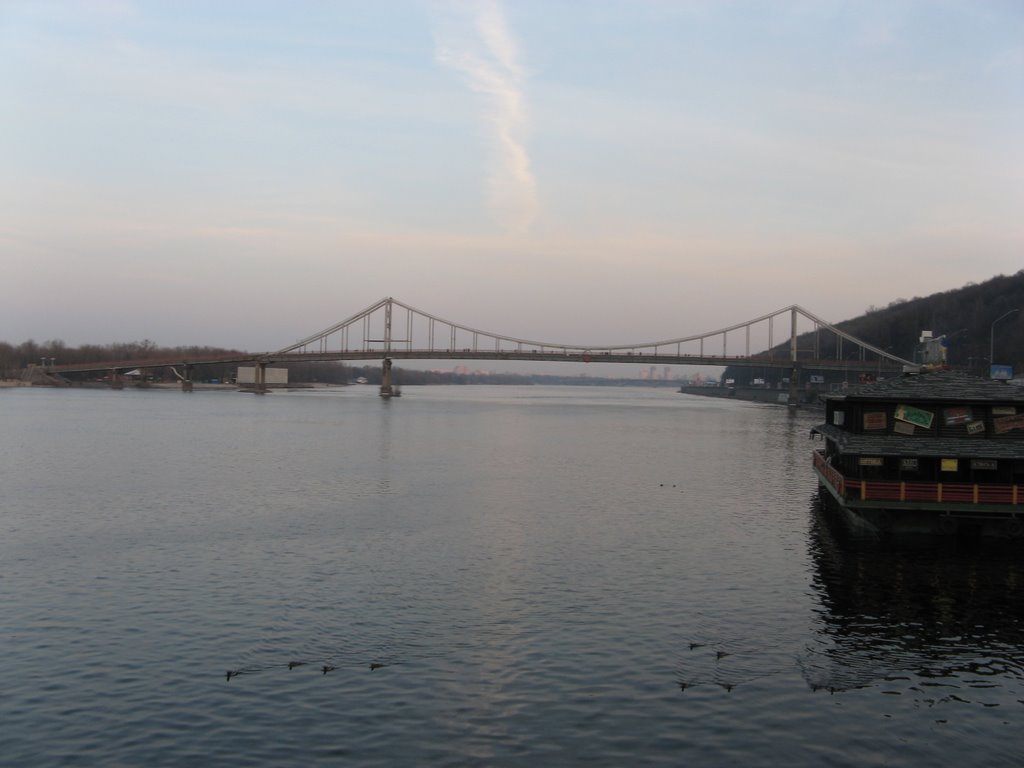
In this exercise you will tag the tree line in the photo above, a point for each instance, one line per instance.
(14, 359)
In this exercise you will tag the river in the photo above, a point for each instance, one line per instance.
(492, 576)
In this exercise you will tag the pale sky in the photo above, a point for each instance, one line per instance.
(246, 173)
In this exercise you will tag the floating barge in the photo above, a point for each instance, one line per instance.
(939, 452)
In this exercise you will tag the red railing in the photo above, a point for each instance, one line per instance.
(936, 493)
(835, 479)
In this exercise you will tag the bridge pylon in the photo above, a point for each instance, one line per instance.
(794, 353)
(386, 390)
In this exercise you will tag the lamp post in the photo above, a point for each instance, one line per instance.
(992, 338)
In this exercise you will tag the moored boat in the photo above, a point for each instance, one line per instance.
(939, 452)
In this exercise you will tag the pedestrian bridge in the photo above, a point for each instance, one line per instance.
(789, 338)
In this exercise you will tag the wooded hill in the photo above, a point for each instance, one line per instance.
(964, 315)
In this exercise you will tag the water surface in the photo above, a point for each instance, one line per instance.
(472, 576)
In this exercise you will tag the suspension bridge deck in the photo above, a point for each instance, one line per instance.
(390, 330)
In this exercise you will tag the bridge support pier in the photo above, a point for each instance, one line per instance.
(794, 353)
(186, 380)
(386, 389)
(259, 380)
(116, 382)
(794, 387)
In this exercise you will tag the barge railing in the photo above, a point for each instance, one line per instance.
(938, 493)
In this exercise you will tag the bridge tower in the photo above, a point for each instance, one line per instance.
(794, 373)
(386, 389)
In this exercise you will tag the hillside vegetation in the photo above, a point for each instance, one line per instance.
(964, 315)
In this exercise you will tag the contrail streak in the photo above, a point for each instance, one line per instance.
(490, 65)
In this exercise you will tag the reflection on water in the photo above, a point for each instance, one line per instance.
(936, 619)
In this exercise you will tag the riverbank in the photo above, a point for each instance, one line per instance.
(807, 398)
(164, 385)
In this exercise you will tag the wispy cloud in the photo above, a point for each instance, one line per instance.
(486, 54)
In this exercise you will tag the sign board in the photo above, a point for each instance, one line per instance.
(870, 461)
(817, 379)
(1001, 372)
(1007, 423)
(976, 428)
(875, 420)
(915, 416)
(902, 428)
(909, 464)
(1003, 410)
(983, 463)
(949, 465)
(958, 415)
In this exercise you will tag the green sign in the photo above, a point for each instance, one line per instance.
(916, 416)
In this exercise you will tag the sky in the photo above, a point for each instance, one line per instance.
(245, 173)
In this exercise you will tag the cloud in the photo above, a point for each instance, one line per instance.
(487, 56)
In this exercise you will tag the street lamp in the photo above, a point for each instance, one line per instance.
(992, 338)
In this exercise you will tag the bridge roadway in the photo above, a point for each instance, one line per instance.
(388, 330)
(753, 361)
(574, 356)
